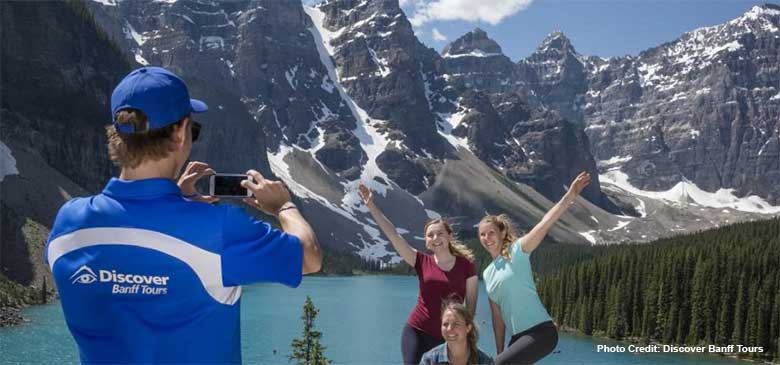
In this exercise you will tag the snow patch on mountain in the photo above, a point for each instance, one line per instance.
(139, 58)
(185, 17)
(290, 76)
(473, 53)
(619, 226)
(612, 162)
(686, 192)
(106, 2)
(374, 247)
(448, 122)
(7, 162)
(211, 42)
(432, 214)
(590, 236)
(763, 147)
(130, 33)
(381, 63)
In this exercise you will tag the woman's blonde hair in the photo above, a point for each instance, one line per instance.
(457, 307)
(457, 248)
(129, 150)
(504, 224)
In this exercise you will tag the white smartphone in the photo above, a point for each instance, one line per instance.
(229, 185)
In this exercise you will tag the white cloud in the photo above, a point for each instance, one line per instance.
(490, 11)
(437, 36)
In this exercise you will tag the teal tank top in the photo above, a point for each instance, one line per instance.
(510, 284)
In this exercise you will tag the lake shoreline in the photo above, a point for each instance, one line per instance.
(11, 316)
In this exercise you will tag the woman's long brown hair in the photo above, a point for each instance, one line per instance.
(457, 248)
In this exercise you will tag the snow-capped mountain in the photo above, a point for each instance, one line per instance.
(681, 137)
(701, 109)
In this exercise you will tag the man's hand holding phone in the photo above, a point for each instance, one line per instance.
(194, 171)
(268, 196)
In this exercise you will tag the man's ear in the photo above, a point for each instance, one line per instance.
(180, 131)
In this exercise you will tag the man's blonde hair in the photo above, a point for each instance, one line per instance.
(129, 150)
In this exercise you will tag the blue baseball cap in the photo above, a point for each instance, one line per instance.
(159, 93)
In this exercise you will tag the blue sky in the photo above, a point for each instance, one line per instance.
(604, 28)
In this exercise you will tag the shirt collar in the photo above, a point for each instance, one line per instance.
(146, 188)
(441, 354)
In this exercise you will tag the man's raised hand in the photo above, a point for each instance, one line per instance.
(268, 196)
(192, 173)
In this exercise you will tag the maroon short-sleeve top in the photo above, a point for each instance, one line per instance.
(435, 286)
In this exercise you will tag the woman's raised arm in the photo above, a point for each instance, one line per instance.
(533, 238)
(407, 252)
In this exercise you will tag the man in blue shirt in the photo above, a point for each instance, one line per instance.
(148, 271)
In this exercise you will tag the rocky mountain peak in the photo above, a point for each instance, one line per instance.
(759, 19)
(707, 45)
(475, 42)
(765, 10)
(558, 75)
(556, 42)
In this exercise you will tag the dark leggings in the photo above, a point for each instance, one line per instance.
(530, 346)
(414, 343)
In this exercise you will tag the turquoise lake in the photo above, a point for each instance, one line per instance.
(360, 317)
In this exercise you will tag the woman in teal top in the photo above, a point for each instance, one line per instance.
(514, 303)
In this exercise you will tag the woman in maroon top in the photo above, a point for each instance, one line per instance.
(448, 272)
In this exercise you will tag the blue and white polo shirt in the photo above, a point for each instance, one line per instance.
(145, 275)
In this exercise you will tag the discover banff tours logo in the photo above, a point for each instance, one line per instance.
(123, 283)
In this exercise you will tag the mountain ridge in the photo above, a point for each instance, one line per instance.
(326, 96)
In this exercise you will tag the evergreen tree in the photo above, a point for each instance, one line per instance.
(650, 308)
(774, 346)
(698, 295)
(763, 317)
(307, 350)
(740, 308)
(751, 320)
(725, 313)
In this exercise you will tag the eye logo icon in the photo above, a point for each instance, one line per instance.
(84, 275)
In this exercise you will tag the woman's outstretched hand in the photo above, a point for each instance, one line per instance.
(366, 195)
(580, 182)
(407, 252)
